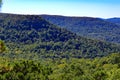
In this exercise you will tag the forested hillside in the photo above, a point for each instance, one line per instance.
(94, 28)
(31, 35)
(114, 20)
(106, 68)
(31, 48)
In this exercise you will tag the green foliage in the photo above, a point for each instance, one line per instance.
(24, 70)
(30, 35)
(0, 3)
(94, 28)
(2, 46)
(105, 68)
(42, 51)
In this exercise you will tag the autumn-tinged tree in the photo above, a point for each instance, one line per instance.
(2, 46)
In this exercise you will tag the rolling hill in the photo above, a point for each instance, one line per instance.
(31, 35)
(114, 20)
(89, 27)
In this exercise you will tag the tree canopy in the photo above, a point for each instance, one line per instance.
(31, 34)
(0, 4)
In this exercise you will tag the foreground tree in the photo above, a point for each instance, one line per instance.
(2, 46)
(0, 4)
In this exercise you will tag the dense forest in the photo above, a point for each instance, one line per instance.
(94, 28)
(31, 48)
(114, 20)
(106, 68)
(30, 34)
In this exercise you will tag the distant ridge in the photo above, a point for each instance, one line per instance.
(95, 28)
(114, 20)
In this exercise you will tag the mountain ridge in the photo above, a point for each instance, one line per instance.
(115, 20)
(33, 35)
(95, 28)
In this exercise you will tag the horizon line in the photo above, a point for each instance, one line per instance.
(58, 15)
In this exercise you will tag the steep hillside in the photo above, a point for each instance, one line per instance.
(30, 34)
(95, 28)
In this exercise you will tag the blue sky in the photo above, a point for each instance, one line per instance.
(91, 8)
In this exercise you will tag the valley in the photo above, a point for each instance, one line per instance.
(35, 47)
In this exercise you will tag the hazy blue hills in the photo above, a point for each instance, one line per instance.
(114, 20)
(31, 35)
(95, 28)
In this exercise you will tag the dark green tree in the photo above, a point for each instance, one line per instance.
(0, 3)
